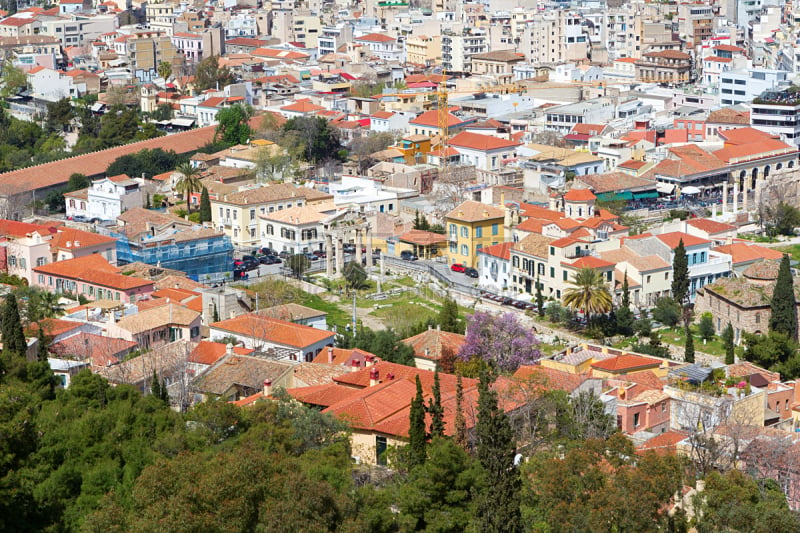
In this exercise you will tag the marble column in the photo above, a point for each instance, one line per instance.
(329, 255)
(744, 198)
(359, 245)
(724, 197)
(735, 197)
(339, 256)
(370, 262)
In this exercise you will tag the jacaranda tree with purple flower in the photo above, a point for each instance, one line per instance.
(499, 340)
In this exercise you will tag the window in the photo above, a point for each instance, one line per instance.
(552, 250)
(41, 261)
(270, 229)
(702, 257)
(252, 214)
(515, 261)
(41, 279)
(758, 318)
(12, 260)
(194, 332)
(494, 229)
(552, 272)
(235, 214)
(464, 231)
(564, 275)
(636, 420)
(478, 232)
(648, 279)
(465, 250)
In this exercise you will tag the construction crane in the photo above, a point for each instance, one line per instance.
(444, 128)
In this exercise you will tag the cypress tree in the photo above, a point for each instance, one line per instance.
(13, 336)
(435, 408)
(624, 315)
(727, 339)
(215, 315)
(680, 274)
(498, 504)
(164, 393)
(155, 386)
(783, 305)
(460, 422)
(42, 352)
(417, 439)
(539, 298)
(688, 351)
(205, 206)
(417, 221)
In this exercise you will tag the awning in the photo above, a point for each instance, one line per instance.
(690, 190)
(611, 196)
(645, 195)
(665, 188)
(183, 122)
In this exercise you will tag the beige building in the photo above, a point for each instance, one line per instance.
(146, 51)
(424, 50)
(496, 62)
(667, 67)
(237, 214)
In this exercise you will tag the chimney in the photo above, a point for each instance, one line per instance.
(267, 386)
(427, 352)
(390, 376)
(621, 393)
(430, 327)
(355, 366)
(229, 349)
(438, 327)
(374, 376)
(604, 349)
(330, 355)
(369, 361)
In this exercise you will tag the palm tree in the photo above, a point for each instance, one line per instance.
(589, 292)
(189, 182)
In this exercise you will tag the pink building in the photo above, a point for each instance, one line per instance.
(641, 403)
(93, 277)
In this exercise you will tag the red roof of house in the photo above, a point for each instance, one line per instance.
(13, 228)
(742, 252)
(718, 59)
(476, 141)
(53, 327)
(303, 106)
(672, 239)
(71, 238)
(382, 114)
(103, 351)
(728, 48)
(376, 38)
(501, 250)
(710, 226)
(579, 195)
(550, 378)
(632, 164)
(344, 356)
(208, 352)
(431, 119)
(662, 444)
(626, 362)
(16, 21)
(94, 269)
(274, 330)
(589, 261)
(588, 129)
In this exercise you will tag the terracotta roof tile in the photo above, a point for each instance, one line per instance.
(431, 119)
(501, 250)
(274, 330)
(626, 363)
(579, 195)
(476, 141)
(421, 237)
(94, 269)
(376, 38)
(745, 252)
(534, 244)
(71, 239)
(672, 239)
(242, 370)
(472, 211)
(710, 226)
(344, 357)
(430, 344)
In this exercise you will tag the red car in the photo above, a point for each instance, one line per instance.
(458, 267)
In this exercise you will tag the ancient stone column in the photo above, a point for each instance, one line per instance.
(339, 256)
(359, 245)
(724, 197)
(735, 197)
(370, 262)
(329, 255)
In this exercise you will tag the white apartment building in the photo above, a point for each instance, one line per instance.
(744, 85)
(108, 198)
(457, 50)
(554, 37)
(383, 46)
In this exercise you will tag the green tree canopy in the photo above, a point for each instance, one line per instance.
(311, 138)
(189, 182)
(783, 307)
(355, 275)
(680, 274)
(588, 292)
(209, 75)
(727, 339)
(205, 206)
(232, 125)
(146, 162)
(667, 311)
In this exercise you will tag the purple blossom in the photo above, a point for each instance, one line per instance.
(501, 339)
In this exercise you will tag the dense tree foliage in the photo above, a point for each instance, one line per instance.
(146, 162)
(205, 206)
(727, 341)
(209, 75)
(775, 351)
(680, 274)
(780, 219)
(588, 292)
(448, 316)
(783, 307)
(386, 344)
(688, 348)
(311, 138)
(667, 311)
(120, 125)
(232, 125)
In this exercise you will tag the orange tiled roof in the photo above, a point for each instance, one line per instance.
(12, 228)
(96, 163)
(476, 141)
(274, 330)
(344, 356)
(501, 250)
(626, 362)
(94, 269)
(71, 239)
(421, 237)
(303, 106)
(672, 239)
(208, 352)
(431, 119)
(53, 327)
(710, 226)
(434, 341)
(376, 38)
(550, 378)
(579, 195)
(103, 351)
(589, 262)
(741, 252)
(472, 211)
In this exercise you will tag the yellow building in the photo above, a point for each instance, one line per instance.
(471, 226)
(237, 214)
(424, 50)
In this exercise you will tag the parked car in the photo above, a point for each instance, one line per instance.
(269, 260)
(320, 254)
(247, 262)
(264, 251)
(311, 257)
(349, 248)
(239, 274)
(284, 254)
(79, 218)
(407, 255)
(458, 267)
(506, 301)
(471, 272)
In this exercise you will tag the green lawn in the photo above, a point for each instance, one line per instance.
(793, 251)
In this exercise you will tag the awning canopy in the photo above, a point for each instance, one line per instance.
(645, 195)
(665, 188)
(690, 190)
(612, 196)
(183, 122)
